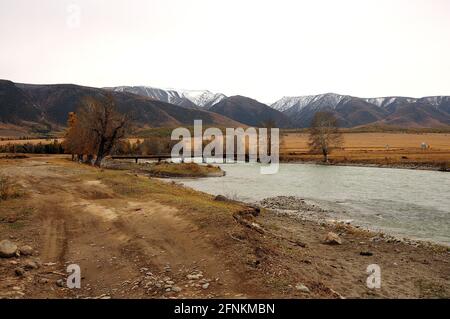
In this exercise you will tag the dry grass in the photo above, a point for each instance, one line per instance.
(31, 141)
(166, 169)
(375, 141)
(8, 189)
(168, 193)
(184, 169)
(375, 148)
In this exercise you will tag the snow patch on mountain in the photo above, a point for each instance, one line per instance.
(387, 101)
(331, 100)
(200, 98)
(328, 100)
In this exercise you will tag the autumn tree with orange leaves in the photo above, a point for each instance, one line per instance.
(95, 129)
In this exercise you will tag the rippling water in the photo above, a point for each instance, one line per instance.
(412, 203)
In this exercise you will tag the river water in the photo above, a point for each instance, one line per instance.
(411, 203)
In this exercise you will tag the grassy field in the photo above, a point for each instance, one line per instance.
(375, 148)
(30, 141)
(376, 141)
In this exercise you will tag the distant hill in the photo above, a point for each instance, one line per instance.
(36, 105)
(249, 111)
(16, 105)
(52, 103)
(354, 111)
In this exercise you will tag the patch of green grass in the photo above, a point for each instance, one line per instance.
(154, 131)
(167, 131)
(183, 170)
(16, 225)
(14, 216)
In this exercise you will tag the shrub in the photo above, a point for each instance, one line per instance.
(8, 189)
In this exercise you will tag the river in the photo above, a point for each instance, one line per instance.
(410, 203)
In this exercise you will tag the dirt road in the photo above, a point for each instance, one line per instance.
(116, 241)
(136, 237)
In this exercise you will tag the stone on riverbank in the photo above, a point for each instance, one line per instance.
(332, 239)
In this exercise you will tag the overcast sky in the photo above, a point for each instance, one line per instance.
(261, 49)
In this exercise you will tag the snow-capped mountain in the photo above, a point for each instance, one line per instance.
(387, 101)
(202, 98)
(349, 110)
(186, 98)
(286, 102)
(159, 107)
(432, 111)
(314, 101)
(353, 111)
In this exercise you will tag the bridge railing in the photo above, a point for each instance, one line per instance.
(160, 157)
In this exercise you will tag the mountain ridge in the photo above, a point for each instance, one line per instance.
(354, 111)
(250, 111)
(187, 98)
(51, 103)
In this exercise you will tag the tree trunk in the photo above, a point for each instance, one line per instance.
(325, 155)
(89, 159)
(80, 157)
(98, 161)
(100, 153)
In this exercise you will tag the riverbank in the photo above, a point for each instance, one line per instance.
(298, 209)
(140, 237)
(407, 202)
(439, 166)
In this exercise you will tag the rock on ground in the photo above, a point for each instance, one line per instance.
(302, 288)
(7, 249)
(31, 265)
(26, 250)
(221, 198)
(205, 286)
(333, 239)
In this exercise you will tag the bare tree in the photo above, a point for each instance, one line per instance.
(97, 128)
(324, 134)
